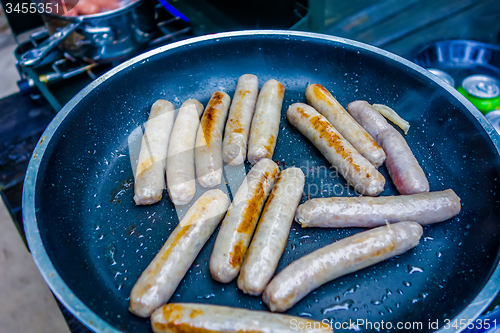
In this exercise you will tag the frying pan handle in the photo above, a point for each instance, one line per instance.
(35, 55)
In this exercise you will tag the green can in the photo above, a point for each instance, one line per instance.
(483, 91)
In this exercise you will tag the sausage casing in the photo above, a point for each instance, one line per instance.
(162, 276)
(204, 318)
(241, 219)
(337, 212)
(150, 173)
(368, 117)
(403, 167)
(323, 101)
(181, 182)
(208, 152)
(266, 121)
(234, 147)
(340, 258)
(273, 229)
(357, 170)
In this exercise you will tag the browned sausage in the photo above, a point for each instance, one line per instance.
(356, 169)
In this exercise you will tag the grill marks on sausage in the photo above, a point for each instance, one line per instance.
(250, 217)
(236, 257)
(196, 216)
(303, 113)
(323, 94)
(234, 121)
(195, 313)
(237, 114)
(375, 144)
(281, 90)
(325, 131)
(173, 311)
(173, 314)
(210, 116)
(388, 249)
(251, 213)
(181, 328)
(176, 240)
(146, 165)
(271, 196)
(270, 145)
(243, 94)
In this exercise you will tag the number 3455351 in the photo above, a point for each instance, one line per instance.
(471, 324)
(25, 8)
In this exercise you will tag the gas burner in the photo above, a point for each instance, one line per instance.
(66, 68)
(59, 76)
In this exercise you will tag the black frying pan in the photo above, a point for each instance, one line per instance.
(91, 242)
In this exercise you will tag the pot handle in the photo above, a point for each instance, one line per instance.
(35, 55)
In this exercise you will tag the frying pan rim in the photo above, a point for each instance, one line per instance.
(465, 41)
(40, 255)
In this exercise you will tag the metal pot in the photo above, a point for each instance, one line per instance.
(99, 37)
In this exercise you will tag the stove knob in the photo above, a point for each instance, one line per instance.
(25, 86)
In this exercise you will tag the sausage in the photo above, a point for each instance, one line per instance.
(272, 232)
(90, 7)
(266, 121)
(323, 101)
(403, 167)
(424, 208)
(108, 5)
(205, 318)
(239, 224)
(181, 183)
(86, 7)
(357, 170)
(160, 279)
(150, 174)
(340, 258)
(368, 117)
(208, 155)
(234, 147)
